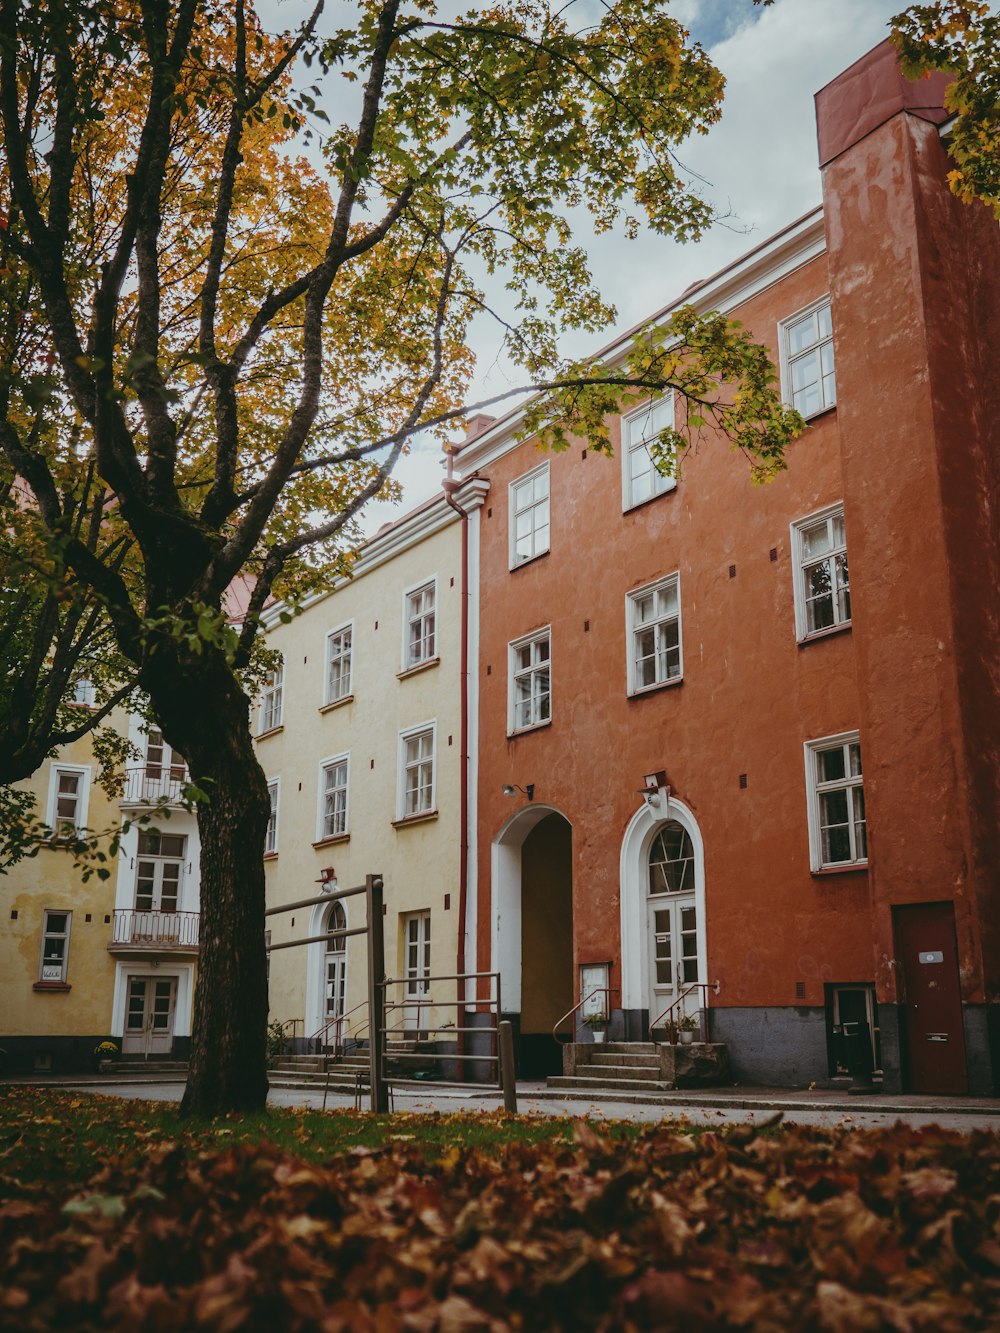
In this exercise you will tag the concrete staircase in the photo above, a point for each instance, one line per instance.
(641, 1068)
(310, 1071)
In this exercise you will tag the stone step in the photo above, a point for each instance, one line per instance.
(607, 1084)
(603, 1057)
(630, 1047)
(615, 1071)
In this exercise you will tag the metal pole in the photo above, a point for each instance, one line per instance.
(376, 994)
(507, 1068)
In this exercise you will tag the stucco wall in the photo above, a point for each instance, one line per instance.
(419, 862)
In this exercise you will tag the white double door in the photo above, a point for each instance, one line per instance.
(672, 935)
(149, 1016)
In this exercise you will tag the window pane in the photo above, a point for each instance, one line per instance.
(802, 334)
(831, 764)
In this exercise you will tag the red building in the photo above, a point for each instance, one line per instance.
(753, 733)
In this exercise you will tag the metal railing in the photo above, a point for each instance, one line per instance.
(338, 1022)
(153, 785)
(155, 930)
(606, 991)
(665, 1020)
(422, 1033)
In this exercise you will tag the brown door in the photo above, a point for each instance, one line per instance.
(928, 956)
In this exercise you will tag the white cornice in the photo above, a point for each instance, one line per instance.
(748, 276)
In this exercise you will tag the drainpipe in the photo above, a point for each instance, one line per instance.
(451, 485)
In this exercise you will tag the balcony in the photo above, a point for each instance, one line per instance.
(136, 931)
(153, 786)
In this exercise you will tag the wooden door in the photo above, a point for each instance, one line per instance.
(149, 1016)
(928, 958)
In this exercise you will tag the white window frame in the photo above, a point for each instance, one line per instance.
(417, 978)
(787, 359)
(639, 427)
(339, 630)
(801, 588)
(82, 797)
(514, 674)
(334, 761)
(84, 693)
(519, 484)
(60, 980)
(634, 628)
(403, 766)
(816, 788)
(412, 614)
(272, 701)
(271, 837)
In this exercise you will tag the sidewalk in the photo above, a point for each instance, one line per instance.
(539, 1099)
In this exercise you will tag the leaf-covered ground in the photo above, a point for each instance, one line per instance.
(463, 1223)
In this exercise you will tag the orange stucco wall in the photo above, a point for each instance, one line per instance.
(750, 695)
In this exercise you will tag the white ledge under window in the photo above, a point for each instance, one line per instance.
(420, 666)
(424, 817)
(263, 735)
(334, 837)
(336, 703)
(526, 731)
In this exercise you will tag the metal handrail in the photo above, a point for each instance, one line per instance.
(337, 1022)
(703, 986)
(292, 1023)
(402, 1009)
(155, 929)
(606, 991)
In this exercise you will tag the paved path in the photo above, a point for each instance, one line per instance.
(715, 1107)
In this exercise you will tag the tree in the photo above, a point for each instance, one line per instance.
(240, 346)
(962, 37)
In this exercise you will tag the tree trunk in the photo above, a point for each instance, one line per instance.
(204, 713)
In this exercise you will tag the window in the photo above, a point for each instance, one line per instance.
(271, 837)
(271, 700)
(162, 761)
(416, 971)
(822, 586)
(836, 802)
(333, 782)
(807, 360)
(416, 756)
(159, 873)
(55, 947)
(530, 681)
(338, 663)
(84, 693)
(67, 811)
(671, 860)
(529, 516)
(641, 478)
(654, 625)
(419, 636)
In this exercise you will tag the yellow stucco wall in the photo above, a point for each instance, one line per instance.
(419, 861)
(49, 881)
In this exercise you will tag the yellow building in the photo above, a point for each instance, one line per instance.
(85, 961)
(360, 734)
(56, 974)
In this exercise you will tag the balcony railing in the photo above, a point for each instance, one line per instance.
(151, 785)
(136, 929)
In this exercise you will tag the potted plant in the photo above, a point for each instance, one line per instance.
(687, 1026)
(106, 1055)
(597, 1022)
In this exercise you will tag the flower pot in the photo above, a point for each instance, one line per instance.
(597, 1034)
(686, 1036)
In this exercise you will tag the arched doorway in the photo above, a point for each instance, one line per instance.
(662, 913)
(533, 931)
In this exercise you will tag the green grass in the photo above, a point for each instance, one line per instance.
(62, 1139)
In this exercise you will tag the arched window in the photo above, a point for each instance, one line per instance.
(336, 962)
(671, 861)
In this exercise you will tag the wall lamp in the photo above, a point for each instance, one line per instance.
(653, 784)
(328, 880)
(509, 788)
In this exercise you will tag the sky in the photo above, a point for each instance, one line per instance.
(758, 164)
